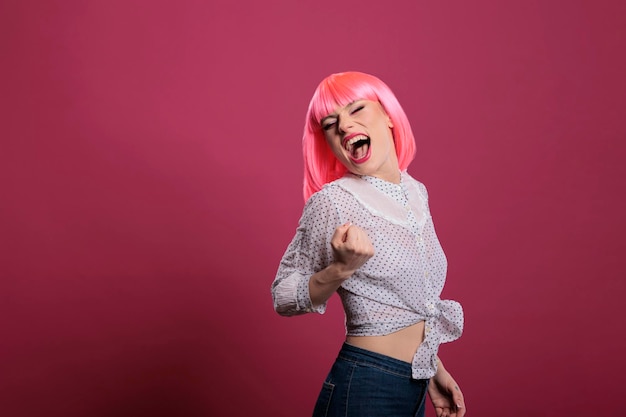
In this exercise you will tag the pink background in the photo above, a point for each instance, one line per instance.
(151, 180)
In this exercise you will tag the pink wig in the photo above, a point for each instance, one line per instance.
(337, 90)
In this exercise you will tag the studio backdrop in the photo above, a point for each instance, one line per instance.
(151, 179)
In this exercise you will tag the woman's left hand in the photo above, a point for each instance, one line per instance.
(446, 395)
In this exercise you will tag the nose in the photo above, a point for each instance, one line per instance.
(345, 123)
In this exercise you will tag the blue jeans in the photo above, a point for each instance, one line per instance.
(367, 384)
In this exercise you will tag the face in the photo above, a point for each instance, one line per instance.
(360, 136)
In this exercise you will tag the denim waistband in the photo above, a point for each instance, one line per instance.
(366, 357)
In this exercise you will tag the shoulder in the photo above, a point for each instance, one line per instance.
(412, 182)
(330, 192)
(333, 197)
(323, 202)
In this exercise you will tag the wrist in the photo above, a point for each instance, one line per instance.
(324, 283)
(440, 365)
(331, 276)
(339, 272)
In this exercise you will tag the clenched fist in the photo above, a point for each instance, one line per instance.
(351, 247)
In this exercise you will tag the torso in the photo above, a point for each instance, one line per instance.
(400, 345)
(396, 286)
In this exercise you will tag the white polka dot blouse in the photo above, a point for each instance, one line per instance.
(399, 286)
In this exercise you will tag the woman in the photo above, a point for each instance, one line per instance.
(367, 234)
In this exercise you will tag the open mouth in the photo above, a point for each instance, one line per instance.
(357, 147)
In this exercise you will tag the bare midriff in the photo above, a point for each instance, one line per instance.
(400, 345)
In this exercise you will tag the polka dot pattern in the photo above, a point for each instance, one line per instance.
(399, 286)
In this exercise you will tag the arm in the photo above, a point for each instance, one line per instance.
(320, 257)
(445, 394)
(351, 249)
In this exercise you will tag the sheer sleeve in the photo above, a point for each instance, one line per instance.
(308, 253)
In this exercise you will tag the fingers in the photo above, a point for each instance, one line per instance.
(459, 408)
(351, 246)
(451, 403)
(354, 238)
(447, 412)
(341, 233)
(357, 241)
(458, 401)
(442, 412)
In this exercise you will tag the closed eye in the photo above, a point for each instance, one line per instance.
(357, 109)
(328, 125)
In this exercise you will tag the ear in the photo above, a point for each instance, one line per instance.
(389, 122)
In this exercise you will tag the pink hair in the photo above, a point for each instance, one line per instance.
(337, 90)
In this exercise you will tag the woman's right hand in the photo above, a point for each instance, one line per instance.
(351, 248)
